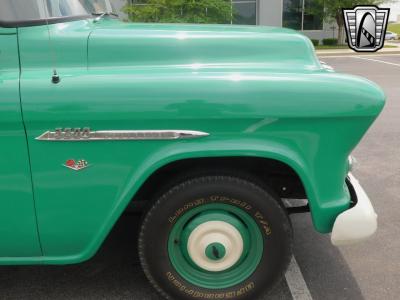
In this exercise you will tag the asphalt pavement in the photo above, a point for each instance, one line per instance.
(370, 270)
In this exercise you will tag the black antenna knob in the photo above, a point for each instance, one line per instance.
(55, 78)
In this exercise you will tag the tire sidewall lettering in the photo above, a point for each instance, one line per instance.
(240, 291)
(261, 206)
(259, 217)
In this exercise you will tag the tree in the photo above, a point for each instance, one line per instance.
(180, 11)
(333, 11)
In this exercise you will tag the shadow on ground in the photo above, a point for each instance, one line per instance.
(115, 272)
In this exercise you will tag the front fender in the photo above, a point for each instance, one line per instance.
(94, 228)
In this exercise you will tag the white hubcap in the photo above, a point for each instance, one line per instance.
(215, 232)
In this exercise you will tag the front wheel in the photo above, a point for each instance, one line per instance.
(215, 237)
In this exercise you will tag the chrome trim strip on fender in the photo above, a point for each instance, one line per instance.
(85, 135)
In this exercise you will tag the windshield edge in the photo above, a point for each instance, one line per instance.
(38, 22)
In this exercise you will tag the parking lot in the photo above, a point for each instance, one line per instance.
(370, 270)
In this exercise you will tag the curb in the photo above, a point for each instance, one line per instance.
(353, 53)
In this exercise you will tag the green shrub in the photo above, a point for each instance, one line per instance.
(315, 42)
(330, 42)
(181, 11)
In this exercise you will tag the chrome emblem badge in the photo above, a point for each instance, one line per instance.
(366, 27)
(87, 135)
(76, 165)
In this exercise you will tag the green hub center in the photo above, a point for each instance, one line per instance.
(215, 251)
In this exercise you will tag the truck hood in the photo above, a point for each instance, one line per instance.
(114, 43)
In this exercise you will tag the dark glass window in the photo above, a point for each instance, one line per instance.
(302, 14)
(65, 8)
(29, 10)
(16, 10)
(292, 10)
(244, 12)
(312, 15)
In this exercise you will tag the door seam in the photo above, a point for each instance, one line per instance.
(27, 146)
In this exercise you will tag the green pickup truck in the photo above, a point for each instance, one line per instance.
(212, 130)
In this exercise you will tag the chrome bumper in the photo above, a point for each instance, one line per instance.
(357, 223)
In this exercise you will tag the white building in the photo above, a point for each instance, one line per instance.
(296, 14)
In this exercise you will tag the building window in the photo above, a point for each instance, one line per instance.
(313, 12)
(302, 14)
(292, 14)
(244, 12)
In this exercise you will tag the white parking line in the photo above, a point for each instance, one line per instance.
(355, 56)
(294, 278)
(377, 60)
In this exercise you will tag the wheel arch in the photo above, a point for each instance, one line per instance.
(173, 156)
(266, 172)
(231, 151)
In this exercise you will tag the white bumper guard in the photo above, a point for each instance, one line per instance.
(357, 223)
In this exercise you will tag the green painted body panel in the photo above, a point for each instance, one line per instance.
(18, 231)
(259, 92)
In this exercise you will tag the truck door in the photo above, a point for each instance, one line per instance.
(18, 229)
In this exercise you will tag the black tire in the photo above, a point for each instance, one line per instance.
(265, 209)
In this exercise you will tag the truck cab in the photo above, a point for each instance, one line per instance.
(210, 133)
